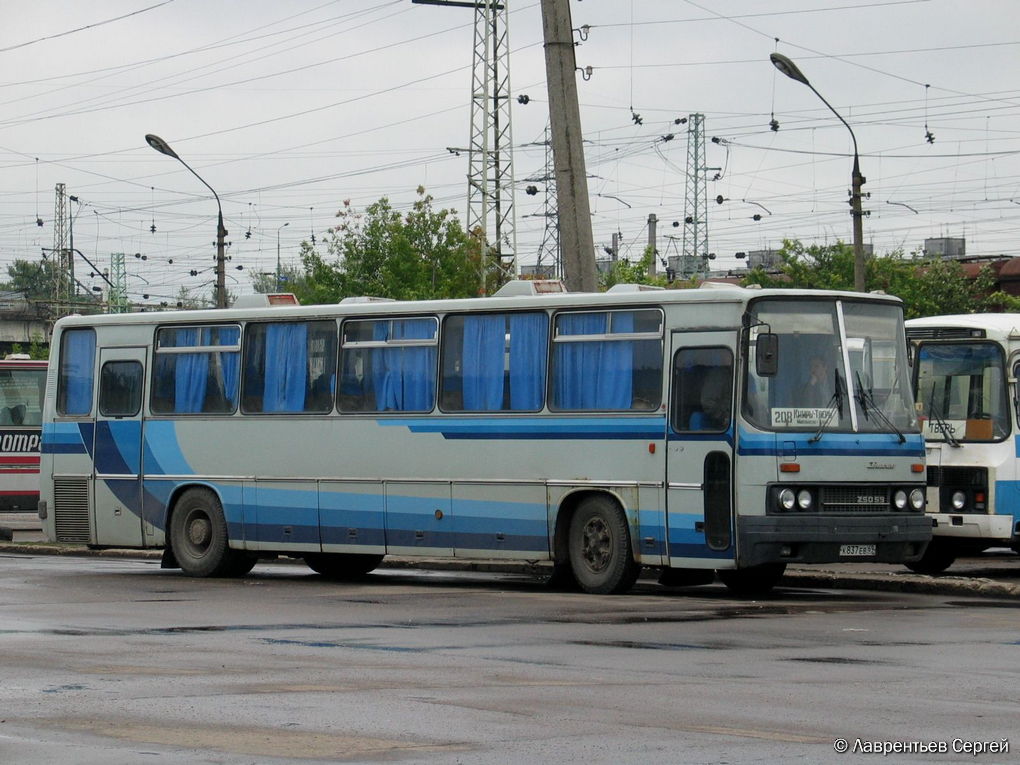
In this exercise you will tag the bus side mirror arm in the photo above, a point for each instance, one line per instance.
(766, 357)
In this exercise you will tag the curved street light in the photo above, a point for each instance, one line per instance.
(163, 147)
(787, 67)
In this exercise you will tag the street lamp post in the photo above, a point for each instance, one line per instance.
(163, 147)
(787, 67)
(278, 254)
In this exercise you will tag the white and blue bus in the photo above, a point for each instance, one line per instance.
(598, 432)
(965, 371)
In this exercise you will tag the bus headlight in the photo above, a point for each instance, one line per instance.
(959, 500)
(787, 499)
(917, 499)
(804, 499)
(900, 499)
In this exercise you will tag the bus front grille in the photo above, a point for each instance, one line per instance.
(71, 510)
(837, 499)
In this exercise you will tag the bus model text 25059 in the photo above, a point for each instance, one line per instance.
(710, 430)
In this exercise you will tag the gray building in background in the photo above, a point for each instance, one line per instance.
(945, 247)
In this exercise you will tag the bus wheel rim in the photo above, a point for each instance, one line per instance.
(597, 549)
(199, 532)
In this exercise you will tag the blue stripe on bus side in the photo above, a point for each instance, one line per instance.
(686, 542)
(830, 444)
(118, 446)
(162, 452)
(489, 427)
(1007, 502)
(66, 438)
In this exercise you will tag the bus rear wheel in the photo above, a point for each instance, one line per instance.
(340, 566)
(198, 536)
(600, 549)
(752, 581)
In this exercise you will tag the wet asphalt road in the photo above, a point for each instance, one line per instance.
(115, 661)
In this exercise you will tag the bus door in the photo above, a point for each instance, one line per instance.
(117, 473)
(699, 462)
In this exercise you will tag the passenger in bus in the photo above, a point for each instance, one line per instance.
(714, 414)
(817, 390)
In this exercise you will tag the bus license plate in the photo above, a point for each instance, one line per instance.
(856, 551)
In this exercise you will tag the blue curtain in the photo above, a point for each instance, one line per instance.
(482, 362)
(528, 336)
(191, 374)
(615, 377)
(383, 371)
(78, 364)
(597, 374)
(417, 365)
(286, 367)
(231, 363)
(404, 378)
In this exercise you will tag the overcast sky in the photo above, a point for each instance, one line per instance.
(288, 109)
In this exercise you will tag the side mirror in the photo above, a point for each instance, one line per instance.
(766, 361)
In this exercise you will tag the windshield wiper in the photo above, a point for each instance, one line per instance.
(835, 404)
(864, 398)
(943, 426)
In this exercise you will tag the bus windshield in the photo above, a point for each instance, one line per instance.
(842, 367)
(961, 391)
(21, 393)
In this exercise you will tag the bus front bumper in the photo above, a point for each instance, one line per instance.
(831, 538)
(989, 528)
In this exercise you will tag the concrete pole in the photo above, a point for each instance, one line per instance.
(652, 220)
(576, 239)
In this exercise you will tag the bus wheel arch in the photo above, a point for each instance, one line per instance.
(593, 539)
(198, 538)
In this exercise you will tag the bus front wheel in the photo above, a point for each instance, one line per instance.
(600, 550)
(342, 565)
(753, 580)
(938, 556)
(198, 536)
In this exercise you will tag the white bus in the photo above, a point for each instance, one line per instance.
(965, 372)
(601, 432)
(22, 382)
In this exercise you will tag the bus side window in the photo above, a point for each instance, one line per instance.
(494, 362)
(702, 390)
(74, 379)
(289, 367)
(389, 365)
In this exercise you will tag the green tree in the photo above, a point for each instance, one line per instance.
(292, 279)
(927, 287)
(420, 255)
(639, 272)
(37, 348)
(35, 279)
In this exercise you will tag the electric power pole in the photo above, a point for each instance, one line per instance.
(550, 247)
(695, 254)
(63, 255)
(490, 213)
(576, 239)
